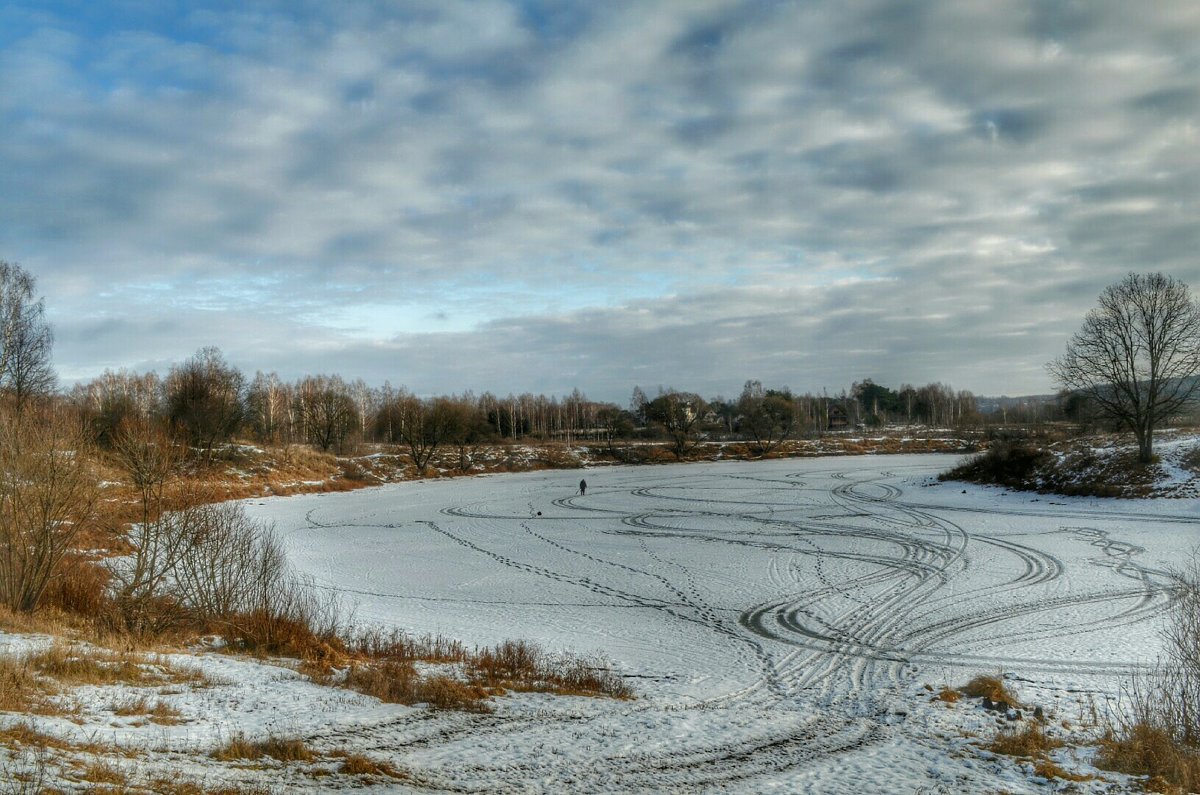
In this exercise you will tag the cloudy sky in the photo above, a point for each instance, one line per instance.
(534, 196)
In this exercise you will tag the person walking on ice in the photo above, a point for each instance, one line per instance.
(582, 487)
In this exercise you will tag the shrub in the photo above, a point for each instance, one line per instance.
(1014, 463)
(1160, 736)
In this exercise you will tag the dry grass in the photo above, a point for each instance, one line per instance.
(80, 664)
(948, 695)
(103, 773)
(1048, 768)
(385, 668)
(20, 689)
(518, 665)
(79, 586)
(160, 712)
(396, 646)
(165, 786)
(992, 687)
(24, 735)
(400, 683)
(1146, 750)
(1030, 741)
(359, 765)
(279, 748)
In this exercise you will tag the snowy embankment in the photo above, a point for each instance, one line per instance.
(785, 624)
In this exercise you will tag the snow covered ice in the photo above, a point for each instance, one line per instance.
(779, 620)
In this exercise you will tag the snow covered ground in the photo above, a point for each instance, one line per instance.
(784, 623)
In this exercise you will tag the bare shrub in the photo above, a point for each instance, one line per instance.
(1015, 463)
(48, 494)
(1160, 735)
(159, 537)
(233, 565)
(234, 575)
(399, 646)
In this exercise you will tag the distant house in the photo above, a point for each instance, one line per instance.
(838, 419)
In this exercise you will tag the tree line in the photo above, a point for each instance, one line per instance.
(207, 401)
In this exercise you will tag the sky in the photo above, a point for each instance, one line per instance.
(537, 196)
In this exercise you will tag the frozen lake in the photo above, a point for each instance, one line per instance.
(778, 619)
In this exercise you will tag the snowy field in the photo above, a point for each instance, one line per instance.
(785, 624)
(780, 620)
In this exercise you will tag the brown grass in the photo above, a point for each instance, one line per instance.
(386, 669)
(1048, 768)
(359, 765)
(160, 713)
(78, 586)
(165, 786)
(1142, 749)
(103, 773)
(1030, 741)
(284, 750)
(23, 734)
(400, 683)
(949, 695)
(519, 665)
(992, 687)
(79, 664)
(20, 689)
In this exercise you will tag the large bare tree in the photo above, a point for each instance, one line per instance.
(1137, 356)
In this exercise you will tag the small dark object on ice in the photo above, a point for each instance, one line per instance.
(1039, 713)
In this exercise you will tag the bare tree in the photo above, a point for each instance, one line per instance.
(1137, 356)
(48, 495)
(425, 425)
(767, 417)
(25, 337)
(679, 414)
(327, 410)
(205, 398)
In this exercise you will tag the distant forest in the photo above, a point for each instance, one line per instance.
(209, 401)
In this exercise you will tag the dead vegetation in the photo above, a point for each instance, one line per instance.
(452, 676)
(1159, 736)
(279, 748)
(990, 687)
(1030, 739)
(360, 765)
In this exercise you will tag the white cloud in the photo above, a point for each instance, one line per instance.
(285, 180)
